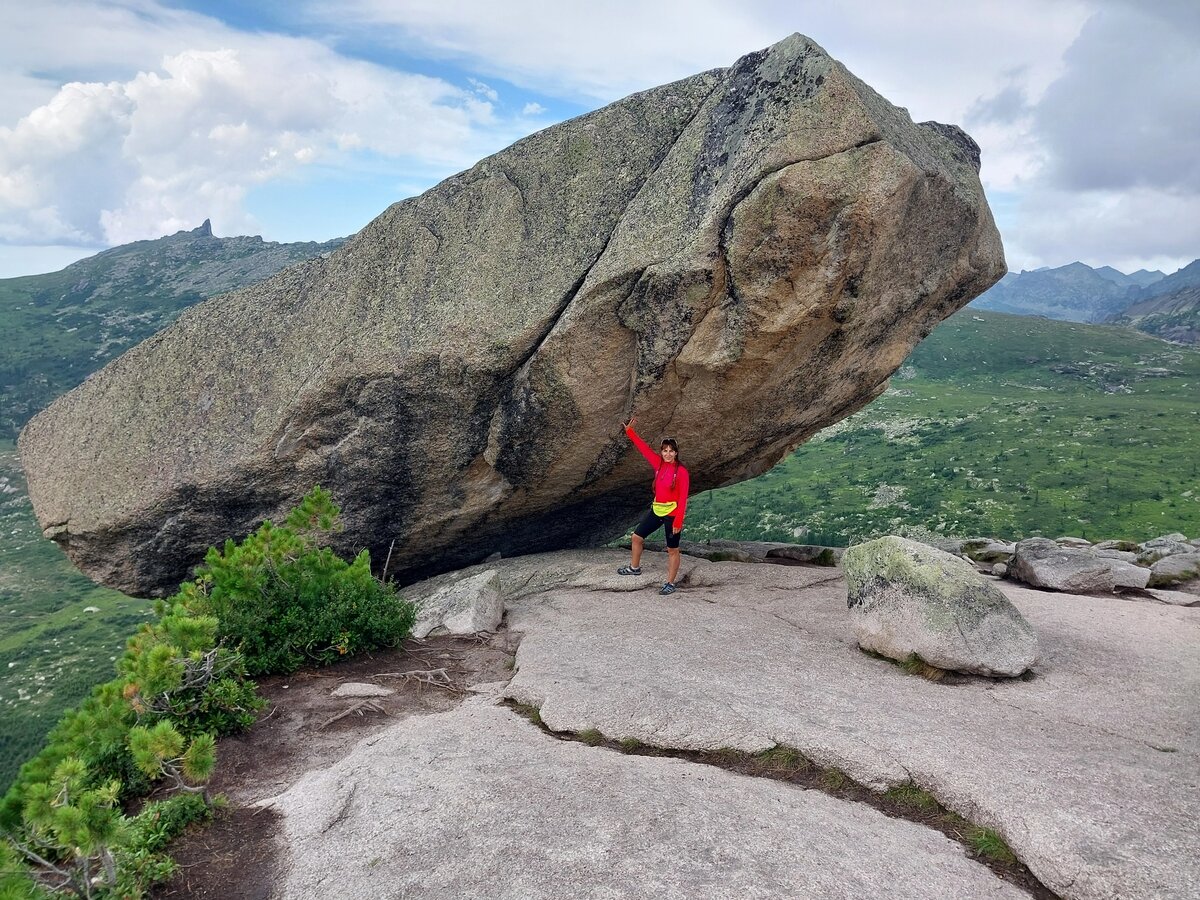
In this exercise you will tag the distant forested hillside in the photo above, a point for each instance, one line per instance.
(996, 425)
(59, 328)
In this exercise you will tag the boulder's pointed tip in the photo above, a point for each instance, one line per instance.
(205, 229)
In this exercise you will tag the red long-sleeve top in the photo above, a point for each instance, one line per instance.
(670, 481)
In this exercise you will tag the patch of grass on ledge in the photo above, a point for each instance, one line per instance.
(912, 664)
(988, 844)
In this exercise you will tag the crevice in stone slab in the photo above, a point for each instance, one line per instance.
(908, 801)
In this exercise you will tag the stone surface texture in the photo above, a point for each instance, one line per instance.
(906, 597)
(1090, 771)
(742, 258)
(466, 606)
(1178, 567)
(477, 802)
(1041, 562)
(360, 689)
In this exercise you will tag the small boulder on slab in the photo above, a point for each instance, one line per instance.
(1070, 541)
(1042, 563)
(989, 552)
(467, 606)
(1167, 540)
(1174, 569)
(360, 689)
(1120, 546)
(1128, 575)
(906, 597)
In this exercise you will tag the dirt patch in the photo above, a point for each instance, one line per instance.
(304, 727)
(234, 856)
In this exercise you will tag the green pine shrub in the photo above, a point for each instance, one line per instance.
(284, 602)
(268, 604)
(15, 880)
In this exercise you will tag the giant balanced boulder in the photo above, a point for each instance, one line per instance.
(741, 258)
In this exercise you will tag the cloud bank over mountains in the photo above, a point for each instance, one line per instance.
(130, 119)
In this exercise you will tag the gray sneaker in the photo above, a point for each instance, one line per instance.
(629, 570)
(668, 588)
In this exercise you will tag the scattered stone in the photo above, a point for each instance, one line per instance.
(906, 597)
(999, 570)
(1166, 540)
(1076, 542)
(467, 606)
(1161, 550)
(813, 554)
(1043, 563)
(715, 551)
(1128, 575)
(1175, 569)
(360, 689)
(1175, 597)
(1123, 546)
(990, 552)
(1124, 555)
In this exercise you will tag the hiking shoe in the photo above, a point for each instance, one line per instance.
(629, 570)
(668, 588)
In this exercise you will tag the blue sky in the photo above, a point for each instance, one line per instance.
(128, 119)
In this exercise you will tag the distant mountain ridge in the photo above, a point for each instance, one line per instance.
(1073, 293)
(1165, 306)
(60, 327)
(1169, 309)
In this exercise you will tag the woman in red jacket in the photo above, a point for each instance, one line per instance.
(670, 503)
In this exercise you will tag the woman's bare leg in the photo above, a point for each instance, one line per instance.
(636, 556)
(673, 559)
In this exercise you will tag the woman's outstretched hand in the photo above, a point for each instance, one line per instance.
(629, 424)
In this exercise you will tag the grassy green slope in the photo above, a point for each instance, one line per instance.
(60, 327)
(52, 649)
(997, 425)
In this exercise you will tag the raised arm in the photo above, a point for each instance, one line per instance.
(644, 448)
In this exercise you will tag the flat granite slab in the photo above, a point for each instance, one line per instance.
(477, 802)
(1090, 770)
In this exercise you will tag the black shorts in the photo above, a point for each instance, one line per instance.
(651, 523)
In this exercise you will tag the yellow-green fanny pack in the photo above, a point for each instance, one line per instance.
(663, 509)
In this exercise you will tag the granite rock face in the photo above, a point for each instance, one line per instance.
(1041, 562)
(906, 597)
(741, 258)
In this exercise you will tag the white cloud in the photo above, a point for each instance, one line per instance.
(187, 137)
(1131, 229)
(484, 90)
(532, 109)
(935, 57)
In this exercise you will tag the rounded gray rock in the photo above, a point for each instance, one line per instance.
(906, 597)
(1041, 562)
(1175, 569)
